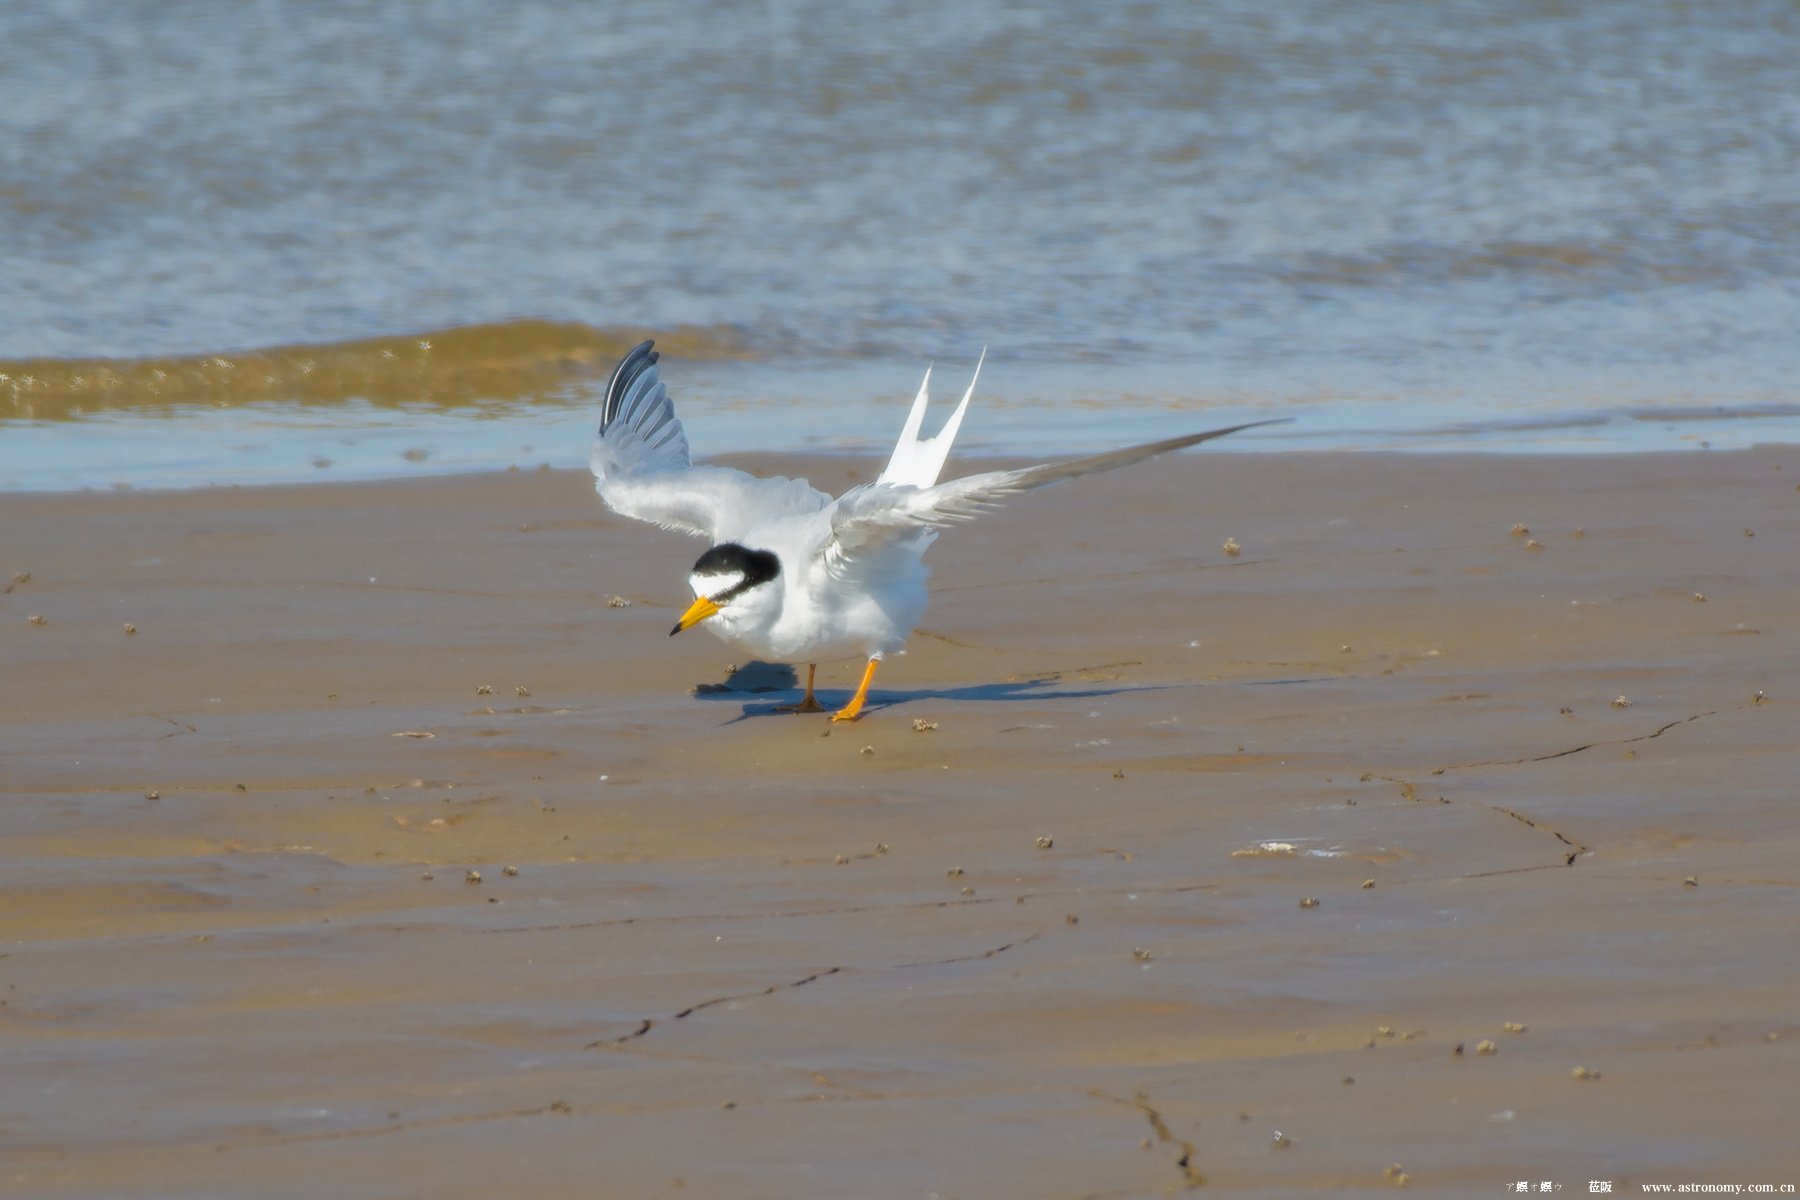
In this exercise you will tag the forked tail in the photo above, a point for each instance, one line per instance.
(918, 461)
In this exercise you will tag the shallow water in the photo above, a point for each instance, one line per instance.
(1517, 226)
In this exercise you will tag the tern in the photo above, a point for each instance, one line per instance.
(794, 575)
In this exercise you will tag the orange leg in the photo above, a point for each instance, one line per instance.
(808, 703)
(851, 710)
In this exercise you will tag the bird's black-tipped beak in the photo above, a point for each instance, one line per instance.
(697, 612)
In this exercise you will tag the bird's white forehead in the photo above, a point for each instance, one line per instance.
(713, 585)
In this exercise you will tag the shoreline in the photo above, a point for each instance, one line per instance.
(742, 955)
(1041, 412)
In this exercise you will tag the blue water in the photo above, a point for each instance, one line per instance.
(1535, 226)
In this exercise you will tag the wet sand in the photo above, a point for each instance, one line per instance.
(1056, 942)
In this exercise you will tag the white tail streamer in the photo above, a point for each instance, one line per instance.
(918, 461)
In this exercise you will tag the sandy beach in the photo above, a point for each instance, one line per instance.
(1443, 836)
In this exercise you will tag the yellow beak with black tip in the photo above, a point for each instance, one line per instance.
(697, 612)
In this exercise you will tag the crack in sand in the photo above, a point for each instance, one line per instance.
(1576, 850)
(963, 958)
(649, 1023)
(1519, 870)
(1516, 762)
(1141, 1101)
(1410, 792)
(768, 991)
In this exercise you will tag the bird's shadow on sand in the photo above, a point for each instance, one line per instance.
(767, 679)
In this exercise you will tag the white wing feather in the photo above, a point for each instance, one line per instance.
(869, 516)
(642, 469)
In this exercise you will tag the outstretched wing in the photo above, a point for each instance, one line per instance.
(642, 469)
(874, 514)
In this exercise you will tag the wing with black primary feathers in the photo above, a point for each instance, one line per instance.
(642, 469)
